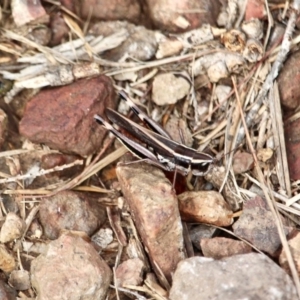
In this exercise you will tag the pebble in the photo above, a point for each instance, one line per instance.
(70, 269)
(244, 276)
(70, 210)
(205, 207)
(53, 114)
(153, 206)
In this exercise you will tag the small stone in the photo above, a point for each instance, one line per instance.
(25, 12)
(63, 117)
(70, 269)
(111, 10)
(13, 228)
(220, 247)
(130, 272)
(242, 162)
(70, 210)
(153, 205)
(103, 237)
(205, 207)
(20, 280)
(199, 232)
(175, 16)
(6, 292)
(245, 276)
(255, 9)
(59, 28)
(257, 225)
(168, 89)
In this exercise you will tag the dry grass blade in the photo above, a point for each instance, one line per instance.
(39, 172)
(129, 292)
(93, 169)
(279, 142)
(145, 290)
(281, 57)
(270, 200)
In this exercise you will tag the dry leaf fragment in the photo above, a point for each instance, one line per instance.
(228, 14)
(217, 65)
(7, 261)
(234, 40)
(196, 37)
(222, 92)
(264, 154)
(253, 51)
(168, 47)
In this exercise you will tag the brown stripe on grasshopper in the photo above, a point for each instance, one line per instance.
(143, 117)
(135, 148)
(168, 152)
